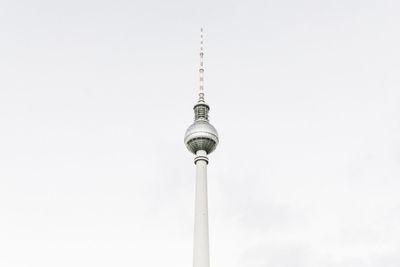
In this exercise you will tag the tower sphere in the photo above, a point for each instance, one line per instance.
(201, 135)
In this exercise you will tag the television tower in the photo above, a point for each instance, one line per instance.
(201, 139)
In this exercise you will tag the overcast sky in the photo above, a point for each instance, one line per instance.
(95, 97)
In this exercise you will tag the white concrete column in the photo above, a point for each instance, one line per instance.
(201, 256)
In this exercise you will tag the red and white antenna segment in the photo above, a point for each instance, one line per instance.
(201, 69)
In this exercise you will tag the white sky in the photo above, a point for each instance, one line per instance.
(95, 97)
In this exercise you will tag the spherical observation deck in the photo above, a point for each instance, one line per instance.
(201, 135)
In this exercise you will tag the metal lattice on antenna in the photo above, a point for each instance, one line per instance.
(201, 69)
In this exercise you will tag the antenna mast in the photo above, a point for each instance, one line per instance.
(201, 69)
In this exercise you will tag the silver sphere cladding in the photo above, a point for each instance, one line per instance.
(201, 135)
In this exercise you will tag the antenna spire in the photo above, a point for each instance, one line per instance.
(201, 69)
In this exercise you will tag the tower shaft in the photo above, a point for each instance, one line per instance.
(201, 256)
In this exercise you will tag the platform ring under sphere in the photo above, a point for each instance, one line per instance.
(201, 135)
